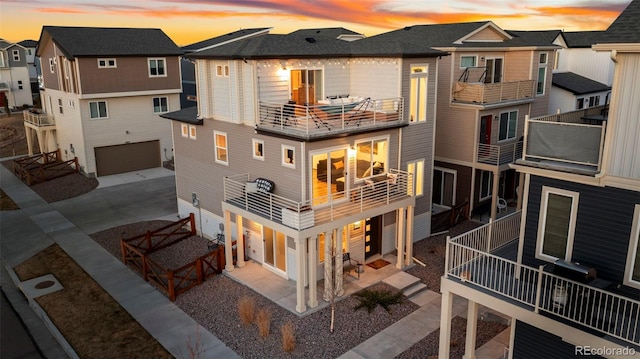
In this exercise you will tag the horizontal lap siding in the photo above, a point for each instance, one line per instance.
(603, 226)
(533, 343)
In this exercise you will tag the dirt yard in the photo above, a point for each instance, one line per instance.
(13, 141)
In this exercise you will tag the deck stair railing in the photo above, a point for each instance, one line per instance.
(469, 258)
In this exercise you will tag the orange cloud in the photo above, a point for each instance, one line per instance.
(59, 10)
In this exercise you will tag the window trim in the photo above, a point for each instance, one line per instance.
(60, 106)
(283, 161)
(222, 70)
(371, 140)
(216, 147)
(15, 54)
(159, 98)
(164, 61)
(634, 244)
(542, 65)
(416, 174)
(542, 221)
(417, 76)
(106, 109)
(475, 61)
(51, 67)
(106, 63)
(184, 130)
(255, 142)
(444, 170)
(193, 132)
(515, 134)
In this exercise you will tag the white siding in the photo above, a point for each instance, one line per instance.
(68, 125)
(375, 78)
(561, 100)
(597, 66)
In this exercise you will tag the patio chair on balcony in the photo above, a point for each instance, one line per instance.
(502, 205)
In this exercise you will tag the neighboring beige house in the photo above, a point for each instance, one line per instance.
(566, 269)
(491, 82)
(15, 86)
(309, 141)
(103, 91)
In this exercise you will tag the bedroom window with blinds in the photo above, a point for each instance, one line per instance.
(557, 223)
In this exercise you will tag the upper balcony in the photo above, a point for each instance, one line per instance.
(330, 118)
(38, 119)
(394, 187)
(571, 141)
(485, 258)
(479, 93)
(501, 154)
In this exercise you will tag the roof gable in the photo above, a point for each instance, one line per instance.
(226, 38)
(489, 32)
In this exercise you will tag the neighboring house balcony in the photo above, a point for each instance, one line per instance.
(330, 118)
(375, 196)
(498, 155)
(571, 141)
(486, 94)
(37, 119)
(484, 260)
(43, 126)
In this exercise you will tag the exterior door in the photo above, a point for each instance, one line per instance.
(494, 71)
(372, 236)
(275, 249)
(484, 150)
(329, 176)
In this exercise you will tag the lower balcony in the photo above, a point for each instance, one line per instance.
(330, 118)
(485, 259)
(378, 193)
(498, 155)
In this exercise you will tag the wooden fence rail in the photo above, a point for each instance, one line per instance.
(44, 167)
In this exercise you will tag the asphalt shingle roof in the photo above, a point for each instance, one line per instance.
(577, 39)
(626, 28)
(576, 84)
(186, 115)
(95, 41)
(28, 43)
(223, 38)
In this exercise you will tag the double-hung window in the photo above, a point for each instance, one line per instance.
(106, 63)
(157, 67)
(468, 61)
(221, 147)
(16, 55)
(542, 73)
(372, 157)
(508, 125)
(556, 224)
(98, 110)
(632, 271)
(160, 105)
(416, 168)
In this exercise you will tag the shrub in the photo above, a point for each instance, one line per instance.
(246, 309)
(370, 299)
(263, 321)
(288, 337)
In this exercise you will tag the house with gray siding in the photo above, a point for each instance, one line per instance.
(566, 268)
(308, 145)
(30, 49)
(15, 88)
(102, 92)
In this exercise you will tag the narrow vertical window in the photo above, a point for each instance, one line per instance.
(556, 225)
(221, 147)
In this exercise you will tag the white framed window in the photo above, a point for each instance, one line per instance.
(51, 63)
(556, 224)
(2, 64)
(98, 110)
(444, 186)
(184, 130)
(222, 70)
(486, 185)
(494, 68)
(257, 149)
(372, 157)
(468, 61)
(221, 147)
(107, 63)
(60, 107)
(20, 87)
(418, 93)
(288, 156)
(632, 269)
(585, 102)
(508, 125)
(160, 104)
(192, 132)
(72, 104)
(542, 73)
(416, 168)
(16, 55)
(157, 67)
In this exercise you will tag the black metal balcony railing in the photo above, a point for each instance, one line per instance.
(325, 120)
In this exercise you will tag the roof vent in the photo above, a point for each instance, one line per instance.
(407, 28)
(310, 40)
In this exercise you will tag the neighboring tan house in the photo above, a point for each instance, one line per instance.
(15, 90)
(103, 91)
(310, 141)
(189, 97)
(567, 268)
(30, 48)
(491, 82)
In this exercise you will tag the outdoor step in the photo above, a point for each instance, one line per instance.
(424, 297)
(414, 289)
(401, 280)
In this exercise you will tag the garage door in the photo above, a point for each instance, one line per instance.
(128, 157)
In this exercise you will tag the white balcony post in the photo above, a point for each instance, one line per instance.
(536, 307)
(400, 237)
(313, 271)
(446, 257)
(472, 330)
(228, 250)
(446, 307)
(409, 235)
(239, 241)
(489, 230)
(301, 252)
(494, 197)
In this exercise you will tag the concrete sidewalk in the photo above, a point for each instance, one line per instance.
(37, 225)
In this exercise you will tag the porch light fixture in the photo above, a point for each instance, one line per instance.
(351, 151)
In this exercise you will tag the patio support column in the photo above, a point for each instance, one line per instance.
(29, 135)
(228, 250)
(312, 242)
(519, 191)
(239, 241)
(42, 140)
(494, 194)
(400, 237)
(446, 307)
(472, 330)
(339, 287)
(409, 230)
(301, 252)
(328, 267)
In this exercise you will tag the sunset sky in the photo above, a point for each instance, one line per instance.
(190, 21)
